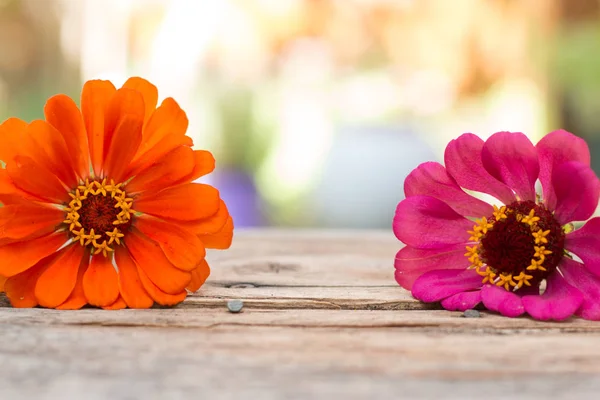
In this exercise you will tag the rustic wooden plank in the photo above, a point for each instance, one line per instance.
(307, 258)
(279, 354)
(210, 317)
(309, 297)
(424, 320)
(323, 318)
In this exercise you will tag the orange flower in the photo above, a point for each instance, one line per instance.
(99, 204)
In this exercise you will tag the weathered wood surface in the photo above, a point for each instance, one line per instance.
(322, 318)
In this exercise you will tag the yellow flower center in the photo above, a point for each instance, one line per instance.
(99, 215)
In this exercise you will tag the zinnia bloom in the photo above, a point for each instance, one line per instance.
(518, 255)
(99, 204)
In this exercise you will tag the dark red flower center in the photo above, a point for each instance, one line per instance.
(98, 212)
(99, 215)
(520, 245)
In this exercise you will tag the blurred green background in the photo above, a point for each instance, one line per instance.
(316, 110)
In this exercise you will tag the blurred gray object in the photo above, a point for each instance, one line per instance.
(362, 178)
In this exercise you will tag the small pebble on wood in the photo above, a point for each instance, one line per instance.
(235, 306)
(471, 314)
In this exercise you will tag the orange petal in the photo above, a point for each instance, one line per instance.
(77, 298)
(150, 258)
(130, 287)
(11, 133)
(182, 248)
(165, 146)
(28, 220)
(20, 289)
(95, 97)
(220, 240)
(100, 282)
(119, 304)
(62, 113)
(199, 276)
(2, 282)
(212, 224)
(148, 92)
(204, 164)
(10, 194)
(168, 171)
(124, 102)
(167, 120)
(57, 282)
(29, 176)
(18, 257)
(6, 199)
(187, 202)
(158, 295)
(49, 149)
(124, 144)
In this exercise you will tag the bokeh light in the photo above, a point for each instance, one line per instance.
(317, 109)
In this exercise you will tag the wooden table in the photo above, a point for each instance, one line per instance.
(322, 318)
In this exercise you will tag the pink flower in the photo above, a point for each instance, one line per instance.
(519, 255)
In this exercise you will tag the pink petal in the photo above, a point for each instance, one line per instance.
(577, 192)
(512, 158)
(432, 179)
(495, 298)
(462, 301)
(437, 285)
(585, 242)
(411, 263)
(427, 223)
(463, 162)
(554, 149)
(588, 284)
(559, 301)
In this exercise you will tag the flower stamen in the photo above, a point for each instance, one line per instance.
(115, 236)
(530, 218)
(499, 213)
(506, 280)
(522, 279)
(540, 236)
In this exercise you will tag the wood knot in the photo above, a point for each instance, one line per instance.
(242, 286)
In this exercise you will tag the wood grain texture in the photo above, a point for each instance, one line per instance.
(322, 318)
